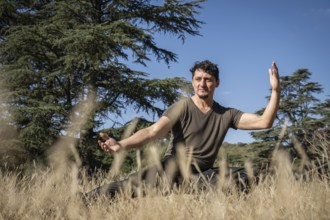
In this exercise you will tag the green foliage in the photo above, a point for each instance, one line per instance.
(323, 109)
(300, 112)
(238, 154)
(56, 54)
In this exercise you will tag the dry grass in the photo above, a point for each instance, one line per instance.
(51, 194)
(37, 197)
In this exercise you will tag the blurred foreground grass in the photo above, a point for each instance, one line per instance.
(51, 194)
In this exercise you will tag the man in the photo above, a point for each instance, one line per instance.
(197, 124)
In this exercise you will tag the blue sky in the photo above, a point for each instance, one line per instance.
(243, 37)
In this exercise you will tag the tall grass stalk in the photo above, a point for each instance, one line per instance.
(52, 193)
(277, 197)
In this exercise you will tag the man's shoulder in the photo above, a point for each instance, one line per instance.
(183, 101)
(177, 108)
(223, 109)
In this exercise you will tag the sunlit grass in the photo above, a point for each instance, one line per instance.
(280, 196)
(53, 192)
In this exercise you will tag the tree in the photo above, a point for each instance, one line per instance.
(323, 109)
(299, 109)
(56, 54)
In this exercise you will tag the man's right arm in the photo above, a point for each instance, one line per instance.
(158, 129)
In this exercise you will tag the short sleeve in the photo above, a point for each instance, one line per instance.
(236, 116)
(175, 111)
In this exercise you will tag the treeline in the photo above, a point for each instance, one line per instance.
(59, 55)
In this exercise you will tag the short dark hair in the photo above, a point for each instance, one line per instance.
(207, 66)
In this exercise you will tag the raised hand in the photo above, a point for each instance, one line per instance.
(109, 145)
(274, 77)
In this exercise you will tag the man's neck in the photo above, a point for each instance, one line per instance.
(203, 104)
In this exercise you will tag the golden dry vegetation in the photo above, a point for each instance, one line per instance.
(52, 194)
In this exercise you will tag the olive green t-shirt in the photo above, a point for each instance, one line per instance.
(201, 133)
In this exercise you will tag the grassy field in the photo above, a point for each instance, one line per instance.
(52, 194)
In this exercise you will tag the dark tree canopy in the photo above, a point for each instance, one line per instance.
(55, 54)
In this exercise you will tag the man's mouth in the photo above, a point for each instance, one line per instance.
(202, 90)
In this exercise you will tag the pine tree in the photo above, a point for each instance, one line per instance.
(323, 109)
(299, 110)
(56, 54)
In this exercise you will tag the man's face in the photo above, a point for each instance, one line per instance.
(204, 84)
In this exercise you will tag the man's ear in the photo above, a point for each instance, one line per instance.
(218, 83)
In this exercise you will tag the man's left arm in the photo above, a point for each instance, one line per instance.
(249, 121)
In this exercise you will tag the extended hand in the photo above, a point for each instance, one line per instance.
(274, 77)
(110, 145)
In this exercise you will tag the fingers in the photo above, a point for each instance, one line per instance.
(104, 136)
(274, 67)
(109, 143)
(273, 70)
(274, 77)
(105, 147)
